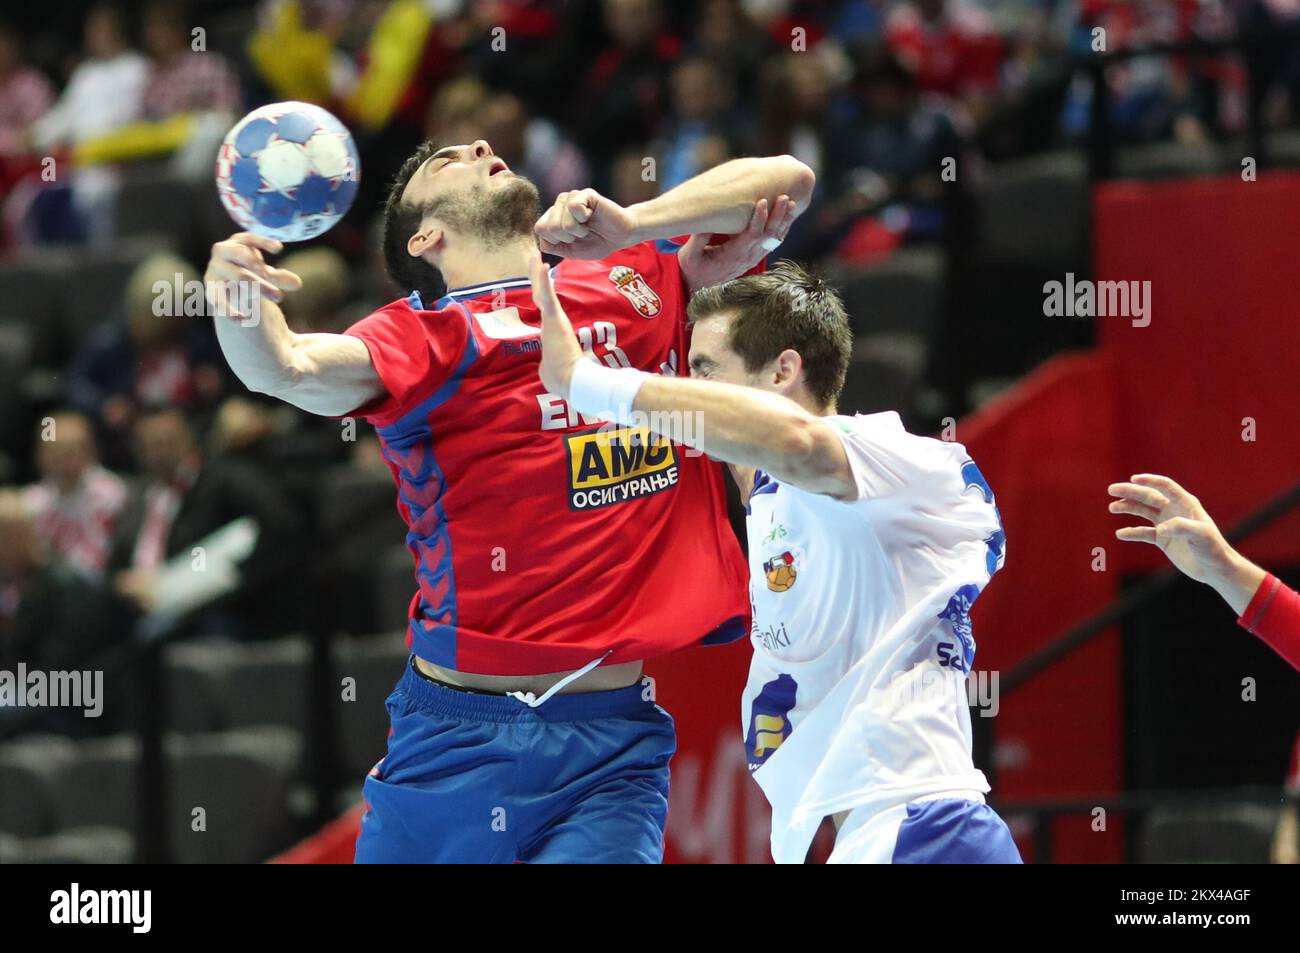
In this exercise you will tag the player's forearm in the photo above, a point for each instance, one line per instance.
(258, 351)
(748, 428)
(722, 199)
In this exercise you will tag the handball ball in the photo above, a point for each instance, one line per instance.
(288, 171)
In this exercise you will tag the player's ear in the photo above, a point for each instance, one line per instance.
(428, 238)
(786, 368)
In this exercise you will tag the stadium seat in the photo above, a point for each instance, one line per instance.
(159, 205)
(267, 684)
(394, 585)
(375, 663)
(83, 845)
(241, 780)
(31, 289)
(359, 524)
(1164, 160)
(904, 293)
(197, 686)
(884, 374)
(11, 849)
(97, 787)
(1218, 834)
(1035, 210)
(28, 777)
(102, 276)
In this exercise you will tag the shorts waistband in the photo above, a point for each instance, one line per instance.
(576, 706)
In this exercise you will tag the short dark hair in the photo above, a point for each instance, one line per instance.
(401, 221)
(784, 307)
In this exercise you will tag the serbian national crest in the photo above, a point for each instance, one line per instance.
(634, 288)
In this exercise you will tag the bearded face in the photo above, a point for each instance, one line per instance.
(493, 213)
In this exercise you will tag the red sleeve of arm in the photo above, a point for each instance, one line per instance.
(1274, 616)
(413, 354)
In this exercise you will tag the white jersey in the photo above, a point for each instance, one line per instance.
(861, 630)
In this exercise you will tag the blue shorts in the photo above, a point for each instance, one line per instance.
(928, 831)
(472, 778)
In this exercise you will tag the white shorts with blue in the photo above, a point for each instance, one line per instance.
(946, 828)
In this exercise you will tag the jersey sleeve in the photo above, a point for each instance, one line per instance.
(1274, 615)
(917, 488)
(412, 354)
(887, 462)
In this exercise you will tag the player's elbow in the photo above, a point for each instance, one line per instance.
(797, 178)
(798, 442)
(812, 456)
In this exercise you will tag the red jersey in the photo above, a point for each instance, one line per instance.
(543, 539)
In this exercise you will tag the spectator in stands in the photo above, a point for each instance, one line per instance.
(183, 79)
(103, 95)
(197, 84)
(622, 97)
(106, 89)
(293, 50)
(794, 92)
(703, 129)
(1263, 604)
(465, 109)
(183, 499)
(532, 146)
(52, 618)
(882, 182)
(632, 178)
(725, 34)
(456, 112)
(77, 502)
(150, 358)
(952, 51)
(25, 96)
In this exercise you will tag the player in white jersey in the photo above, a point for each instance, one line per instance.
(867, 546)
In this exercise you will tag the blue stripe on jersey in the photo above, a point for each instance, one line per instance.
(762, 484)
(666, 246)
(439, 645)
(420, 414)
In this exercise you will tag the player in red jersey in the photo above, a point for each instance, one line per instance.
(553, 553)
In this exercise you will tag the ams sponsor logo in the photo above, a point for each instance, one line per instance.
(613, 465)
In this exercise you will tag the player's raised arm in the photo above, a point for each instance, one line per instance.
(327, 374)
(755, 199)
(740, 425)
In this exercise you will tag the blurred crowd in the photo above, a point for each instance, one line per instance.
(147, 445)
(870, 93)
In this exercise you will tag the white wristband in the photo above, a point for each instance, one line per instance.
(604, 392)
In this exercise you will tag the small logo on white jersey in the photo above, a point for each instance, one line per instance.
(633, 287)
(781, 572)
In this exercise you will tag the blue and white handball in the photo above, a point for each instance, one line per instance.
(288, 171)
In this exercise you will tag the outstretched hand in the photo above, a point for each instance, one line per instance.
(1186, 534)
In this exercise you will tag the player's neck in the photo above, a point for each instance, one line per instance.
(476, 265)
